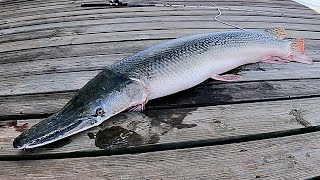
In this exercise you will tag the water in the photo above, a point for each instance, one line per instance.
(313, 4)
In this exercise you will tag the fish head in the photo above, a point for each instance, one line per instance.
(104, 96)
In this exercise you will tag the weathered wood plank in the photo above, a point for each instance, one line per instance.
(18, 5)
(123, 36)
(177, 125)
(91, 19)
(136, 12)
(71, 6)
(103, 14)
(82, 63)
(257, 159)
(116, 25)
(208, 93)
(60, 65)
(77, 50)
(293, 157)
(122, 46)
(32, 4)
(74, 80)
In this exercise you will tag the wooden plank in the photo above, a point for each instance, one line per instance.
(116, 25)
(82, 63)
(44, 83)
(141, 34)
(77, 50)
(18, 5)
(293, 157)
(134, 12)
(284, 8)
(277, 7)
(146, 40)
(160, 126)
(208, 93)
(176, 125)
(103, 14)
(34, 4)
(60, 65)
(68, 21)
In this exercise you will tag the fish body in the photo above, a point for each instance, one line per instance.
(158, 71)
(185, 62)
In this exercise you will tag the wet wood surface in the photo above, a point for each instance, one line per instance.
(293, 157)
(264, 126)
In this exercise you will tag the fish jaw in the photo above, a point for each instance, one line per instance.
(104, 96)
(37, 136)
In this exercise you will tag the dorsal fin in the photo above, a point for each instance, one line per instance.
(278, 32)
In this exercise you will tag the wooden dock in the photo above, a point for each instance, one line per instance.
(266, 126)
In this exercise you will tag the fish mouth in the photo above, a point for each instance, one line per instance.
(52, 129)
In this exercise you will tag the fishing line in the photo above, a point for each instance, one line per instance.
(223, 22)
(215, 18)
(116, 3)
(219, 10)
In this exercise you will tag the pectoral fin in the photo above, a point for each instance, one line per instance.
(141, 103)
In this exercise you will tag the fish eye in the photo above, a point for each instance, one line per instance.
(99, 112)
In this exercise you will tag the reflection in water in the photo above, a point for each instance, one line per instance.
(14, 124)
(134, 128)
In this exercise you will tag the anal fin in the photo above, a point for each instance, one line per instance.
(140, 105)
(226, 77)
(275, 60)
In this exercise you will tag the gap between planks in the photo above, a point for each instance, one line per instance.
(156, 32)
(108, 17)
(138, 13)
(292, 157)
(68, 7)
(82, 63)
(181, 128)
(100, 48)
(34, 4)
(206, 94)
(75, 80)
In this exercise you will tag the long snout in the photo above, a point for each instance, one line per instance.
(53, 128)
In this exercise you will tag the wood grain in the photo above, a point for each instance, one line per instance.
(97, 62)
(102, 48)
(283, 7)
(49, 49)
(142, 34)
(44, 83)
(179, 125)
(293, 157)
(32, 23)
(208, 93)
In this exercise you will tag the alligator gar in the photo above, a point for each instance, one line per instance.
(159, 71)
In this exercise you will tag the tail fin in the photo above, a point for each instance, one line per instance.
(297, 52)
(297, 45)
